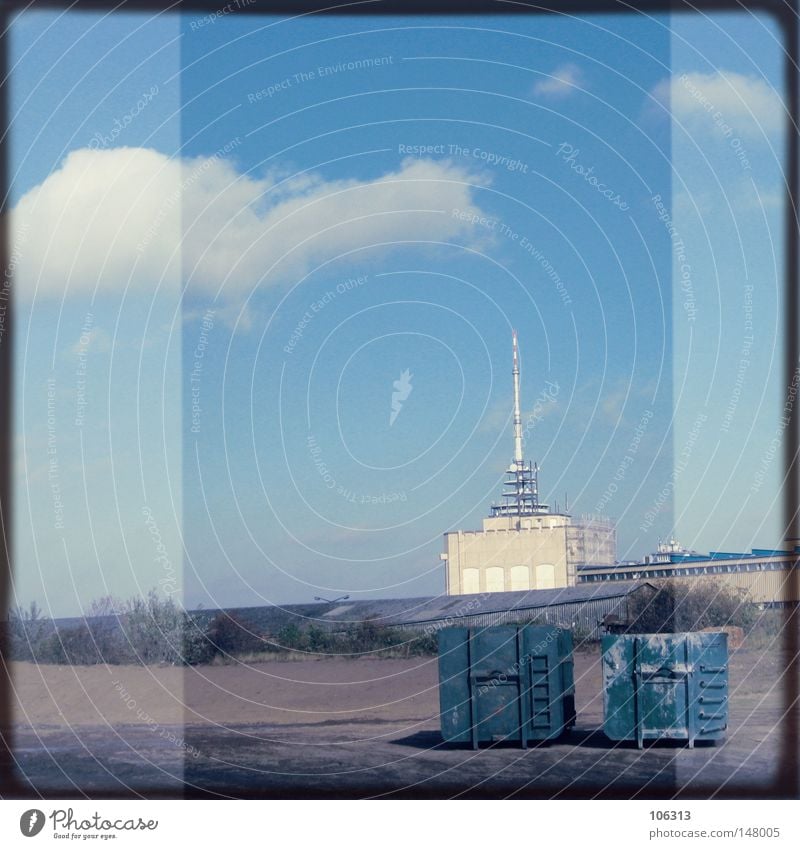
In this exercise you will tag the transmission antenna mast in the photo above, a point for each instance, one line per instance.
(521, 487)
(518, 461)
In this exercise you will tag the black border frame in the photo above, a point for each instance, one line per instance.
(785, 12)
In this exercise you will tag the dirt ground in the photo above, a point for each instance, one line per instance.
(363, 727)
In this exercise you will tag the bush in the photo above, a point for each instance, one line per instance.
(680, 606)
(101, 631)
(358, 638)
(772, 627)
(145, 630)
(291, 637)
(157, 630)
(51, 650)
(154, 629)
(368, 636)
(423, 645)
(229, 634)
(72, 645)
(87, 644)
(25, 632)
(197, 647)
(320, 641)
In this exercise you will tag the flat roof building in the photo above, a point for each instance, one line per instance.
(769, 576)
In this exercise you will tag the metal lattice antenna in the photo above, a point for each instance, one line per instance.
(521, 488)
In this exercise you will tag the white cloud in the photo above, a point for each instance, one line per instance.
(748, 200)
(612, 405)
(500, 415)
(81, 227)
(564, 80)
(133, 216)
(725, 103)
(95, 340)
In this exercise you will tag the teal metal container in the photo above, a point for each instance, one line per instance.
(665, 686)
(505, 683)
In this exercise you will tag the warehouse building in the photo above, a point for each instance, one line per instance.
(581, 608)
(523, 544)
(769, 577)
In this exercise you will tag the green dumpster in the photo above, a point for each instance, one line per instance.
(505, 683)
(665, 686)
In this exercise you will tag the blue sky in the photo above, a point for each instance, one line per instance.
(312, 208)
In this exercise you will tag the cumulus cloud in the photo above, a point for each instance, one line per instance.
(563, 81)
(107, 219)
(723, 102)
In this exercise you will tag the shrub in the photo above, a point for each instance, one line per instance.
(320, 641)
(369, 637)
(358, 638)
(683, 606)
(76, 645)
(25, 632)
(291, 637)
(101, 629)
(51, 650)
(230, 634)
(423, 644)
(146, 630)
(152, 628)
(197, 647)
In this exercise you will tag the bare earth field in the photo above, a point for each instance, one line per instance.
(332, 728)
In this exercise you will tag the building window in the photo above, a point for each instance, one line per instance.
(520, 578)
(545, 576)
(495, 579)
(470, 581)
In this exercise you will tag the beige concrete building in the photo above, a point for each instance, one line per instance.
(537, 552)
(523, 545)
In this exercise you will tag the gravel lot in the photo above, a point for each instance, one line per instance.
(337, 727)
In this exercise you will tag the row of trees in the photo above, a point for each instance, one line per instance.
(149, 630)
(155, 630)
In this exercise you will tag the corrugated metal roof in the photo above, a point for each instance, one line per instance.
(471, 605)
(400, 611)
